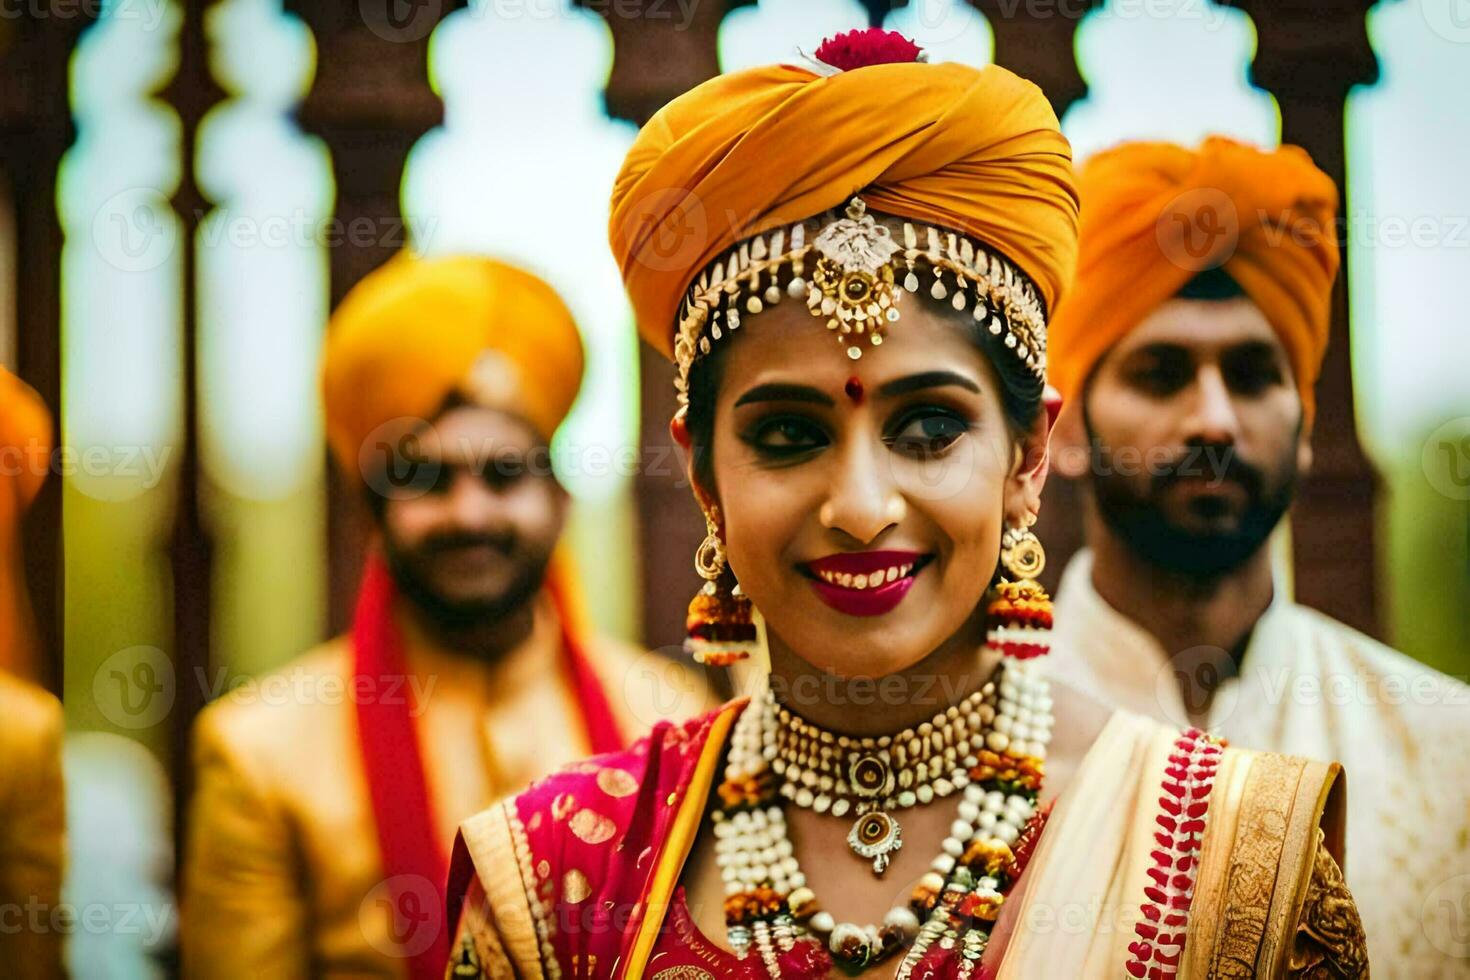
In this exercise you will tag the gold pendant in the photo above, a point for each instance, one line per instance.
(875, 835)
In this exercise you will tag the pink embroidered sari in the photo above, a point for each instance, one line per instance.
(578, 876)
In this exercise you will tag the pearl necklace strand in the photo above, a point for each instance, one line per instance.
(768, 904)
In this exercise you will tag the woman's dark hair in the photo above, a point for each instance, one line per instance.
(1020, 390)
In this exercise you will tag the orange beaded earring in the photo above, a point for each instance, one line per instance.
(1019, 613)
(719, 626)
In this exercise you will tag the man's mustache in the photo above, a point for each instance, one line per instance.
(440, 543)
(1220, 463)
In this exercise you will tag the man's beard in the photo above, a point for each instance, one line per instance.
(407, 566)
(1141, 520)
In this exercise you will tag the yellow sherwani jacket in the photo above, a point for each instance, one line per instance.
(282, 875)
(32, 829)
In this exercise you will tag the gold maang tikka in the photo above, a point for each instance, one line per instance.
(854, 283)
(855, 286)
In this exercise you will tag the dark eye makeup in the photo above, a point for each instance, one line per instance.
(926, 430)
(784, 436)
(921, 431)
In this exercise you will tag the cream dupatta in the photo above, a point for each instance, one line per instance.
(1245, 896)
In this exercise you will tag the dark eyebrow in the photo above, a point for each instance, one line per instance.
(927, 379)
(783, 393)
(1252, 348)
(1160, 349)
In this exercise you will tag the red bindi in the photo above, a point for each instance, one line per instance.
(854, 389)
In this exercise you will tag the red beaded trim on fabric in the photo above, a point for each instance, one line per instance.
(1184, 802)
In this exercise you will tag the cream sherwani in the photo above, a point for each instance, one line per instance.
(1313, 687)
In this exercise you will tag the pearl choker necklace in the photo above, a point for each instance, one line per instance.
(774, 755)
(872, 777)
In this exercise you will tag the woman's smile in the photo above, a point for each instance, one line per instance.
(865, 583)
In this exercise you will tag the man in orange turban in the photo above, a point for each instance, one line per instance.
(328, 792)
(1186, 356)
(32, 816)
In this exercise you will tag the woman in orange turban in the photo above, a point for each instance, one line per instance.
(851, 263)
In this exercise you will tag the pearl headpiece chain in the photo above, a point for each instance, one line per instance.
(855, 284)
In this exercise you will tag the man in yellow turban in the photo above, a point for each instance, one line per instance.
(327, 793)
(32, 816)
(1186, 356)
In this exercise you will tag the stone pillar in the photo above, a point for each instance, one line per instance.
(370, 103)
(1310, 56)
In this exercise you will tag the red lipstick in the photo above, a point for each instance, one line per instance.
(865, 583)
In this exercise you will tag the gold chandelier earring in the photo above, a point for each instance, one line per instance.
(1019, 612)
(719, 628)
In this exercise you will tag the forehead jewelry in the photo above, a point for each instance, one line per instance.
(859, 273)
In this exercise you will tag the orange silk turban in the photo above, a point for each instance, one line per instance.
(974, 150)
(25, 456)
(417, 331)
(1155, 214)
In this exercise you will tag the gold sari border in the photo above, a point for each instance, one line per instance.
(491, 837)
(1256, 863)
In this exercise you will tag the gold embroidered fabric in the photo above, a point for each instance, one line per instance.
(1329, 941)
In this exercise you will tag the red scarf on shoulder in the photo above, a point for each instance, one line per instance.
(397, 785)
